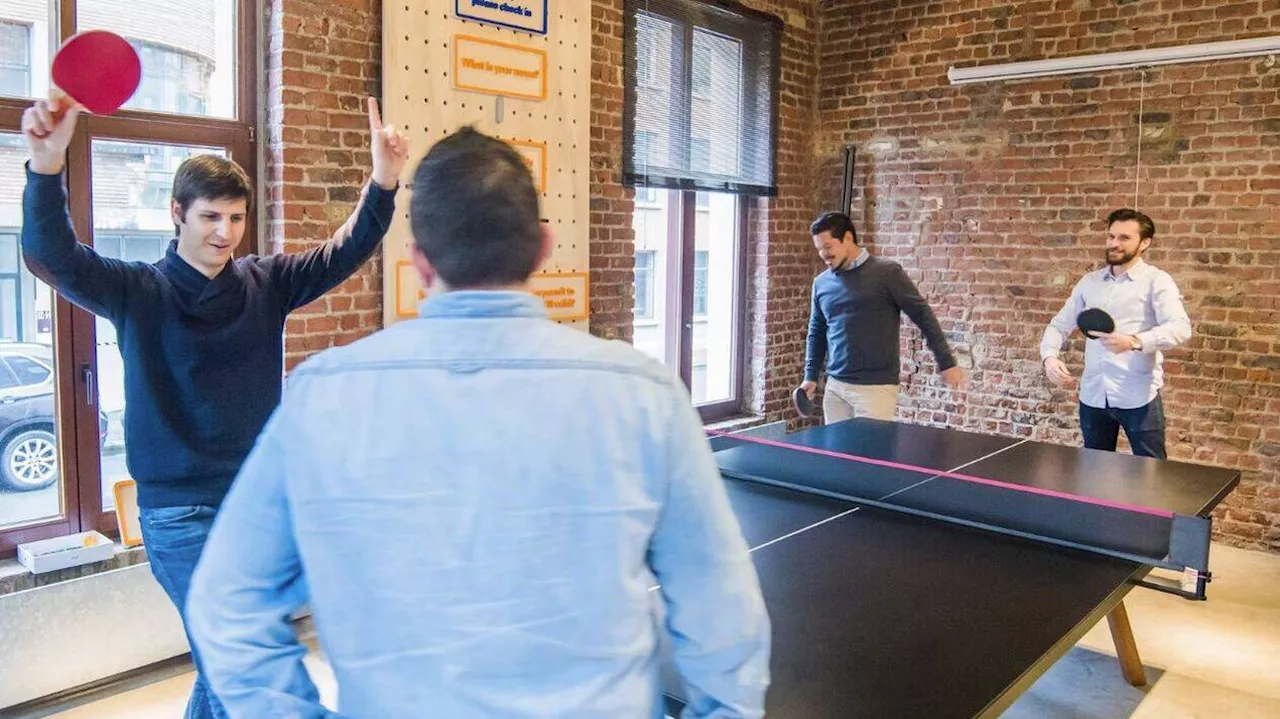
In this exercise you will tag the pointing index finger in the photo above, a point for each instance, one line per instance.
(375, 118)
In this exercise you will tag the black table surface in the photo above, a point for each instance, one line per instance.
(877, 613)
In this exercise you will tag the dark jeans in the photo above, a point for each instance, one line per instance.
(1144, 426)
(174, 538)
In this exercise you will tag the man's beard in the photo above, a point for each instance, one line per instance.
(1120, 258)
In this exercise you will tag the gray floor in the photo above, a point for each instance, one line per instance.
(1217, 659)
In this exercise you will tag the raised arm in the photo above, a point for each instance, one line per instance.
(303, 277)
(49, 245)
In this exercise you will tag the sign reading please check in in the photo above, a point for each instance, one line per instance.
(527, 15)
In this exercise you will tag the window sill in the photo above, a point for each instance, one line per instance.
(16, 578)
(734, 424)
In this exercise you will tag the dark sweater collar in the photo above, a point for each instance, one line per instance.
(192, 281)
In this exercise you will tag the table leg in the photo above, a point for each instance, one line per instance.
(1126, 647)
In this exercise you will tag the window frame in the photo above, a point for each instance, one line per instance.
(30, 29)
(74, 344)
(679, 319)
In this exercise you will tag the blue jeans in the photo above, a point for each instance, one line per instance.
(174, 538)
(1144, 426)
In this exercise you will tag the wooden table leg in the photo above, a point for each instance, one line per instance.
(1126, 647)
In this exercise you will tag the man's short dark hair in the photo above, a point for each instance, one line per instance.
(837, 223)
(1146, 228)
(210, 177)
(474, 212)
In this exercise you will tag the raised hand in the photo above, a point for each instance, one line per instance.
(390, 149)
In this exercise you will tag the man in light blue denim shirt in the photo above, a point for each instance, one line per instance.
(1123, 369)
(478, 503)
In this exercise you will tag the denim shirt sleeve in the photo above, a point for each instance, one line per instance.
(244, 591)
(715, 610)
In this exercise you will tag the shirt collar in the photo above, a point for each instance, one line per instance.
(483, 303)
(1135, 272)
(858, 261)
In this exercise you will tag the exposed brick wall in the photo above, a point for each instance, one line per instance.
(779, 247)
(612, 239)
(993, 195)
(323, 61)
(782, 259)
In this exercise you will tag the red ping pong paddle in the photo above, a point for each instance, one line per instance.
(97, 69)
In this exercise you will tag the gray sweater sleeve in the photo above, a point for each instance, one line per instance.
(908, 299)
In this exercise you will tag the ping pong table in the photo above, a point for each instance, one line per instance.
(913, 571)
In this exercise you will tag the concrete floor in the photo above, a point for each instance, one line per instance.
(1218, 659)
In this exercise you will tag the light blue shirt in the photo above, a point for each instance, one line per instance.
(1145, 302)
(480, 503)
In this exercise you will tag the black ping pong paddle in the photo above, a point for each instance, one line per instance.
(803, 404)
(1095, 320)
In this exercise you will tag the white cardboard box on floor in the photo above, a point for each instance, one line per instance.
(72, 550)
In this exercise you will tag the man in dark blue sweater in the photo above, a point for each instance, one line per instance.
(854, 325)
(200, 331)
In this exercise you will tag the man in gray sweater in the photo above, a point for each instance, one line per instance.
(854, 325)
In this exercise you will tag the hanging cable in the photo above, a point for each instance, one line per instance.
(1137, 170)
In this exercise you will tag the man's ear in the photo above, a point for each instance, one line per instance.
(548, 244)
(175, 211)
(426, 272)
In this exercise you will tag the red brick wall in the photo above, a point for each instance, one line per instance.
(612, 239)
(782, 260)
(322, 62)
(993, 195)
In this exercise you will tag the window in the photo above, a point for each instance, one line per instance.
(7, 380)
(644, 285)
(699, 154)
(28, 371)
(645, 147)
(689, 293)
(703, 77)
(652, 39)
(701, 68)
(15, 58)
(700, 283)
(646, 196)
(699, 116)
(172, 80)
(200, 72)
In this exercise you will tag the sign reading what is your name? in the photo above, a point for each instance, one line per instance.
(527, 15)
(499, 68)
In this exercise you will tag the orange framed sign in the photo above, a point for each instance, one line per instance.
(499, 68)
(535, 155)
(565, 294)
(408, 290)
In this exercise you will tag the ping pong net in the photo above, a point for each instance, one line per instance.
(1117, 505)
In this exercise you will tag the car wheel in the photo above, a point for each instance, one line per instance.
(30, 460)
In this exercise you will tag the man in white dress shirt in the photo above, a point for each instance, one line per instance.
(1123, 370)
